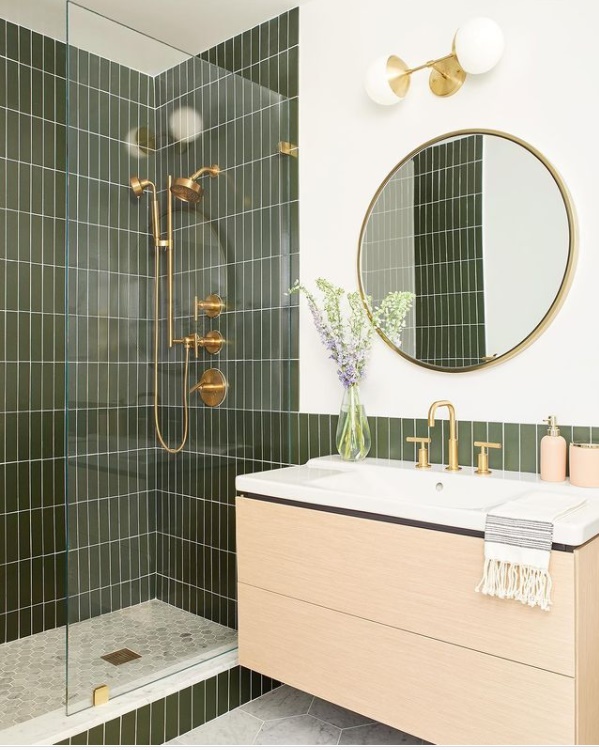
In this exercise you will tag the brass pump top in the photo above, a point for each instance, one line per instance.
(553, 429)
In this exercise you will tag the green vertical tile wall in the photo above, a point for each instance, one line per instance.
(237, 242)
(32, 321)
(110, 468)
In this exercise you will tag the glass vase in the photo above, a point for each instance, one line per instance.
(353, 432)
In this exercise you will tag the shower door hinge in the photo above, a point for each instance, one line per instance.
(290, 149)
(100, 695)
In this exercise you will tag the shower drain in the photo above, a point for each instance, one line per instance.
(122, 656)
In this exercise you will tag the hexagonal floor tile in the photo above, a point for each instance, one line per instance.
(337, 716)
(298, 730)
(281, 703)
(376, 734)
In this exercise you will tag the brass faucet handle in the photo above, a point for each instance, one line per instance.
(483, 456)
(422, 451)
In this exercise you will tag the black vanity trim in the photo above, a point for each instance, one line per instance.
(382, 518)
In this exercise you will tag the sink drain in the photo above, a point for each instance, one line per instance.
(439, 486)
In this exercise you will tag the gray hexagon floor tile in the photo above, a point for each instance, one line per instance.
(167, 638)
(376, 734)
(235, 728)
(281, 703)
(337, 716)
(298, 730)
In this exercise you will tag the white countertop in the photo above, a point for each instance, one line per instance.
(408, 493)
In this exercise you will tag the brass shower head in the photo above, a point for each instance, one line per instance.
(139, 186)
(187, 189)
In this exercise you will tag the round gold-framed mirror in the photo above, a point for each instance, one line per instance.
(480, 227)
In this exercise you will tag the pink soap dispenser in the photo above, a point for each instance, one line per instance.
(553, 454)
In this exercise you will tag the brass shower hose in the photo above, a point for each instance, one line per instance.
(185, 370)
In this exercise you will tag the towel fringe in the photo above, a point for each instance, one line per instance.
(524, 583)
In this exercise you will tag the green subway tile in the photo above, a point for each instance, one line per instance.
(437, 448)
(143, 725)
(185, 710)
(528, 448)
(465, 447)
(79, 739)
(171, 723)
(381, 427)
(581, 434)
(211, 699)
(199, 704)
(222, 693)
(234, 688)
(511, 448)
(157, 722)
(95, 735)
(113, 734)
(480, 432)
(256, 679)
(127, 730)
(496, 456)
(246, 685)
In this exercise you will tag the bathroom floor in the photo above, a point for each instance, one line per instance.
(32, 670)
(290, 717)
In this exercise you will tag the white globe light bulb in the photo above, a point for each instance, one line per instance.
(377, 83)
(479, 45)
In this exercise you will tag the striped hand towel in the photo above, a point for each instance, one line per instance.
(518, 539)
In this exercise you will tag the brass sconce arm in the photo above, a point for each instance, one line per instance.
(477, 47)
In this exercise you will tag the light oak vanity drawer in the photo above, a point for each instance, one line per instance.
(415, 579)
(439, 692)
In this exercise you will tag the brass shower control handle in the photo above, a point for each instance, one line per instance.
(212, 387)
(483, 456)
(422, 451)
(212, 342)
(212, 306)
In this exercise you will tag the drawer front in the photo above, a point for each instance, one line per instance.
(416, 579)
(439, 692)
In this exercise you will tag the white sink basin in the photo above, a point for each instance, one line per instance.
(432, 496)
(420, 487)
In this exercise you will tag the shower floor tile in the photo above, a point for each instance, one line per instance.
(32, 670)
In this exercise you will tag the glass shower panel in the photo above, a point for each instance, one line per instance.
(150, 532)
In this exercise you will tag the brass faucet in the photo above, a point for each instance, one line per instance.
(452, 445)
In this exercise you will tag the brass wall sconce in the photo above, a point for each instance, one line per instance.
(212, 387)
(477, 47)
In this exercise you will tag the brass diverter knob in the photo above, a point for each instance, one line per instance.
(212, 387)
(212, 342)
(422, 451)
(483, 456)
(212, 306)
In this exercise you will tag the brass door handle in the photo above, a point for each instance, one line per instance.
(483, 456)
(422, 451)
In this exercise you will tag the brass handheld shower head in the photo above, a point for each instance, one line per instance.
(187, 189)
(139, 186)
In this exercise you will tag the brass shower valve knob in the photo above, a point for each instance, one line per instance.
(212, 306)
(212, 342)
(212, 387)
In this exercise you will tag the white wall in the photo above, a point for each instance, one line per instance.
(348, 144)
(525, 227)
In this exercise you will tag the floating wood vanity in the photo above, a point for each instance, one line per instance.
(381, 617)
